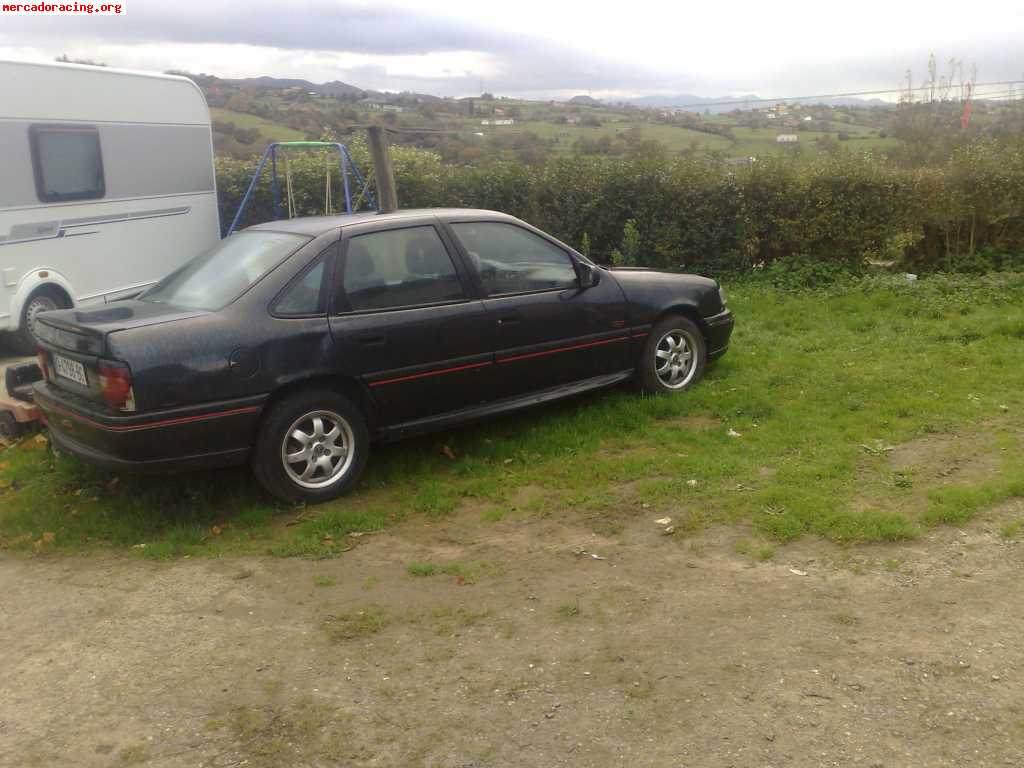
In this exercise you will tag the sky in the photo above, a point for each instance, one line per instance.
(535, 49)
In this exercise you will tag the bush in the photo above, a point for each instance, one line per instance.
(697, 213)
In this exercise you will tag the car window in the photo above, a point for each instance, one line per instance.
(511, 259)
(397, 268)
(216, 278)
(303, 297)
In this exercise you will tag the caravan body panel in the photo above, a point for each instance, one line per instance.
(109, 183)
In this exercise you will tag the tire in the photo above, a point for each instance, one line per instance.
(25, 342)
(674, 356)
(307, 478)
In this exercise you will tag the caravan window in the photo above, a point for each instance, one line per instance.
(67, 162)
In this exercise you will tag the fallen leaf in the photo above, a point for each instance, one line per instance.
(215, 530)
(670, 530)
(448, 452)
(663, 521)
(797, 572)
(733, 433)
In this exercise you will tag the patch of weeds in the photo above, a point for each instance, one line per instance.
(272, 687)
(743, 547)
(641, 690)
(608, 528)
(464, 573)
(134, 754)
(902, 480)
(355, 625)
(435, 499)
(765, 553)
(1009, 530)
(891, 564)
(286, 733)
(958, 504)
(323, 580)
(846, 619)
(448, 620)
(492, 515)
(569, 610)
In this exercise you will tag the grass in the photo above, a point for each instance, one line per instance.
(463, 573)
(819, 384)
(355, 625)
(569, 610)
(269, 131)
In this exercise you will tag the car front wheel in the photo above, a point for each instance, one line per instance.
(674, 356)
(312, 447)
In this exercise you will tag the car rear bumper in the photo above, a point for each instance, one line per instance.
(213, 434)
(718, 329)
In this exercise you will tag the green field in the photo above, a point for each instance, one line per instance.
(790, 434)
(268, 131)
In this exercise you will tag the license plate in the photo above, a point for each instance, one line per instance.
(70, 369)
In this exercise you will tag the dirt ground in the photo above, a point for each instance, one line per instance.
(668, 652)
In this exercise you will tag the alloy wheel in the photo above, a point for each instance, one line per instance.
(675, 359)
(317, 450)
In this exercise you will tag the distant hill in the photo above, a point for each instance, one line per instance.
(586, 101)
(714, 103)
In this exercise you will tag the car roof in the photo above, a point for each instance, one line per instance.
(318, 225)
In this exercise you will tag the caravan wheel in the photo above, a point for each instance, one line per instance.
(25, 340)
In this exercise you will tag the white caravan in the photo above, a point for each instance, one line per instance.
(107, 185)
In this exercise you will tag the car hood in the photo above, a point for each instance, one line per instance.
(641, 276)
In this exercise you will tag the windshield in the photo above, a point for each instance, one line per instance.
(222, 274)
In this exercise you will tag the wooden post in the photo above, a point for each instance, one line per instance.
(387, 197)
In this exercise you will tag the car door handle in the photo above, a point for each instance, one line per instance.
(372, 341)
(509, 320)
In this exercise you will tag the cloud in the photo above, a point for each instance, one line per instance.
(532, 48)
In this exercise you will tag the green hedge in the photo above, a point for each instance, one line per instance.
(700, 213)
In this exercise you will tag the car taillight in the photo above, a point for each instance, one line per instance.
(116, 385)
(41, 354)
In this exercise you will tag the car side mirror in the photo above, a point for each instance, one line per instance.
(589, 275)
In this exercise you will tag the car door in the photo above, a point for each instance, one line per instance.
(404, 318)
(548, 331)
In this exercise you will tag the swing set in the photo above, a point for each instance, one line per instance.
(349, 173)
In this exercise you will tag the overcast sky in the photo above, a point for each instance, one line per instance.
(551, 49)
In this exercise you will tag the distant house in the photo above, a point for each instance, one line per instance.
(503, 121)
(499, 112)
(772, 116)
(572, 120)
(375, 105)
(808, 118)
(786, 138)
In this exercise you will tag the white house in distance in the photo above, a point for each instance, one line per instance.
(504, 121)
(786, 138)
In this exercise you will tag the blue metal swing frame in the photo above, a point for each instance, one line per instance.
(345, 164)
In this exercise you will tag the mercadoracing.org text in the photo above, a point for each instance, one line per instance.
(63, 9)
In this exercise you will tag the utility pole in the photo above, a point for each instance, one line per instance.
(387, 197)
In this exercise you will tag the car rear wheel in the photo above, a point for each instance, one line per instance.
(312, 447)
(674, 356)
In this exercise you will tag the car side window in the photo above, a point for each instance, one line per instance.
(303, 297)
(510, 259)
(397, 268)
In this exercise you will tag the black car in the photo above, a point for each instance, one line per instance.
(292, 345)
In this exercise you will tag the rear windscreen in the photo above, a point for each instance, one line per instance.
(219, 276)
